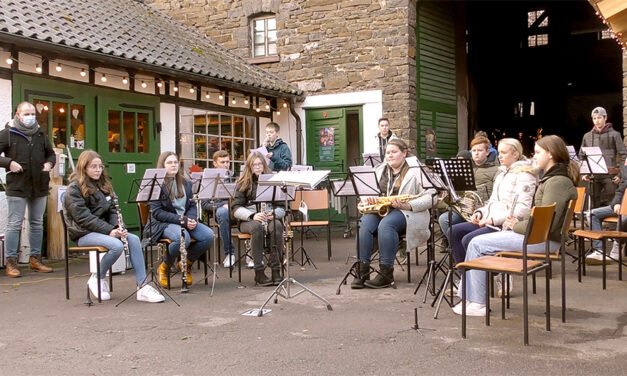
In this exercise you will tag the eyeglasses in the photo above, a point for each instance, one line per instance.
(96, 167)
(257, 165)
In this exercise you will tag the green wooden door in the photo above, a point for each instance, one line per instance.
(436, 90)
(326, 139)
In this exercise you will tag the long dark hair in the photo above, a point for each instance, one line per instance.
(87, 185)
(557, 147)
(178, 179)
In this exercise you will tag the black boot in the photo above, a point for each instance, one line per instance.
(383, 279)
(261, 279)
(364, 273)
(276, 277)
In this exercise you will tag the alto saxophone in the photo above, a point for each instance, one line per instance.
(183, 252)
(382, 206)
(121, 226)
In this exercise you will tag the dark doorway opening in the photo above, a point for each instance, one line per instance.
(540, 65)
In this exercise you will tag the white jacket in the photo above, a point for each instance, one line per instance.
(508, 184)
(418, 217)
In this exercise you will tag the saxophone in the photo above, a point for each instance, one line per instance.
(183, 252)
(382, 206)
(121, 226)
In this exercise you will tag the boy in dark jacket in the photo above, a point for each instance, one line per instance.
(278, 151)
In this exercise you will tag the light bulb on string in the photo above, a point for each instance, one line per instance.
(278, 113)
(284, 104)
(246, 101)
(207, 96)
(103, 78)
(176, 88)
(221, 97)
(125, 80)
(9, 61)
(45, 107)
(192, 90)
(159, 84)
(61, 109)
(58, 68)
(143, 84)
(37, 68)
(83, 73)
(258, 109)
(267, 106)
(233, 101)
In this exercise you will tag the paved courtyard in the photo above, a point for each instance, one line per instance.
(368, 332)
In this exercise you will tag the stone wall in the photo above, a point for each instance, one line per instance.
(325, 46)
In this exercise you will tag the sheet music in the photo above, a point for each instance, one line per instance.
(306, 179)
(365, 180)
(263, 151)
(208, 182)
(371, 159)
(594, 155)
(151, 174)
(572, 153)
(301, 168)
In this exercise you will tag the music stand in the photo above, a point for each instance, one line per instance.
(212, 187)
(360, 181)
(592, 163)
(371, 159)
(458, 175)
(285, 180)
(148, 190)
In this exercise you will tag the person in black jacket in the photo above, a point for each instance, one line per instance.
(29, 158)
(92, 220)
(259, 224)
(175, 206)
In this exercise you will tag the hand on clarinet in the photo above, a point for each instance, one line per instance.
(119, 234)
(476, 218)
(259, 217)
(191, 224)
(509, 223)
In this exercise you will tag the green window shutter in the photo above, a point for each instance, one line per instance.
(436, 90)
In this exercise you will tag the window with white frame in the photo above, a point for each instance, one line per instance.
(204, 132)
(537, 24)
(263, 36)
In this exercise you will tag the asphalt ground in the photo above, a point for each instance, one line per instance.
(368, 332)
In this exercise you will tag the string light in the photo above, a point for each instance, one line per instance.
(143, 84)
(103, 78)
(207, 96)
(176, 88)
(37, 68)
(267, 106)
(61, 109)
(45, 107)
(59, 68)
(284, 104)
(192, 90)
(246, 101)
(83, 73)
(258, 109)
(9, 61)
(221, 97)
(278, 113)
(159, 84)
(125, 81)
(233, 101)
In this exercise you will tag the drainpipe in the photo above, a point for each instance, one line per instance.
(299, 132)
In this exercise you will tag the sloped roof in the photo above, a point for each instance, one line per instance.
(615, 14)
(133, 31)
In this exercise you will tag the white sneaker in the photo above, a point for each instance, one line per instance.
(472, 309)
(249, 262)
(499, 287)
(614, 252)
(149, 294)
(93, 287)
(458, 308)
(105, 285)
(596, 258)
(229, 260)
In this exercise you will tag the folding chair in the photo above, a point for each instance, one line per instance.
(315, 200)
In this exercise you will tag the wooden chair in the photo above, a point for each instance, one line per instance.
(537, 232)
(68, 250)
(603, 236)
(316, 200)
(579, 213)
(240, 237)
(558, 255)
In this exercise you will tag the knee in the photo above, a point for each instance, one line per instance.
(256, 228)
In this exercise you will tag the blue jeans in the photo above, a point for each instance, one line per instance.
(463, 233)
(17, 207)
(596, 218)
(201, 233)
(386, 229)
(223, 218)
(490, 244)
(116, 248)
(443, 221)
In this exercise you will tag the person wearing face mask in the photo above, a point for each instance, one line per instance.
(611, 144)
(175, 204)
(411, 217)
(29, 157)
(259, 224)
(278, 151)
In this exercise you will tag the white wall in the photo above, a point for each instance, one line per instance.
(6, 112)
(372, 108)
(167, 116)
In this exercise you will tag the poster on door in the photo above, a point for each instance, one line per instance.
(327, 144)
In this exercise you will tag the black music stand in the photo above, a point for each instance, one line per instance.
(212, 187)
(360, 181)
(458, 175)
(148, 190)
(286, 180)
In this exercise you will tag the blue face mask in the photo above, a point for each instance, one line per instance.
(29, 120)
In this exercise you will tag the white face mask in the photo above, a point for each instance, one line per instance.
(29, 120)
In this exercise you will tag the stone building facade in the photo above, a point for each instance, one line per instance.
(326, 48)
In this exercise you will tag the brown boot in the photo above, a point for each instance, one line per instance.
(12, 270)
(37, 265)
(163, 274)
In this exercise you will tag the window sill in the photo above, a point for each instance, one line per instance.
(262, 60)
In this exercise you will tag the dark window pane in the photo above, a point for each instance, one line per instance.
(238, 126)
(114, 131)
(129, 132)
(59, 124)
(225, 126)
(214, 122)
(142, 133)
(42, 112)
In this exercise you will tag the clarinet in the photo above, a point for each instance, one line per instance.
(121, 226)
(183, 252)
(512, 209)
(262, 210)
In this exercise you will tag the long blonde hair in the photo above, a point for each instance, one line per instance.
(245, 181)
(179, 178)
(87, 185)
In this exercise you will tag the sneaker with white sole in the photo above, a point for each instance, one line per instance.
(249, 262)
(93, 287)
(472, 309)
(596, 258)
(614, 252)
(229, 260)
(499, 287)
(149, 294)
